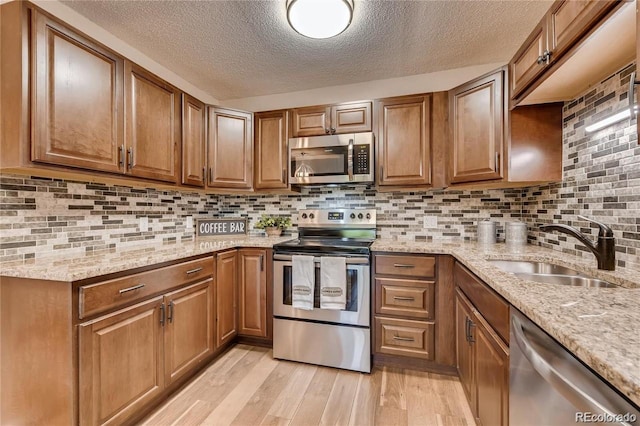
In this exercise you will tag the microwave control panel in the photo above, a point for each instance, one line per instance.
(361, 159)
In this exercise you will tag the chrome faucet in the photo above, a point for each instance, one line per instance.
(605, 250)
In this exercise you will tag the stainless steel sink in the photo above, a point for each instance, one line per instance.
(571, 280)
(521, 266)
(549, 273)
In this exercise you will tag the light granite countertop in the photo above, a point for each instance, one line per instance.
(601, 326)
(82, 266)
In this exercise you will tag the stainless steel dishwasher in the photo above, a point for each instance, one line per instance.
(549, 386)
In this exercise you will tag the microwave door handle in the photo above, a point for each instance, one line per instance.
(350, 160)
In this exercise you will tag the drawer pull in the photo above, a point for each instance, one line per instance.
(404, 339)
(193, 271)
(403, 265)
(403, 298)
(134, 288)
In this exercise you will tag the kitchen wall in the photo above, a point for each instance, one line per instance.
(601, 176)
(40, 217)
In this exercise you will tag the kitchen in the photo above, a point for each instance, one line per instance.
(109, 166)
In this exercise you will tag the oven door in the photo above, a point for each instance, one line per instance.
(358, 294)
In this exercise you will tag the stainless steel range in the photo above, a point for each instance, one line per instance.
(334, 338)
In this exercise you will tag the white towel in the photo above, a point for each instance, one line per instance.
(333, 283)
(303, 282)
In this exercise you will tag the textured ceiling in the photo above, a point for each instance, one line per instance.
(237, 49)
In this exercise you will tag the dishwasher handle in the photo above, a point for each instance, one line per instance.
(552, 376)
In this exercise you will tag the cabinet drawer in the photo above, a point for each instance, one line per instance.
(408, 298)
(405, 338)
(407, 266)
(101, 297)
(490, 305)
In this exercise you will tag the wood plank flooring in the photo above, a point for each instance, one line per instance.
(247, 387)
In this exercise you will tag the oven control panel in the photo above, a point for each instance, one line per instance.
(361, 159)
(345, 218)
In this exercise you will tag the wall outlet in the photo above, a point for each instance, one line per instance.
(189, 224)
(144, 224)
(430, 221)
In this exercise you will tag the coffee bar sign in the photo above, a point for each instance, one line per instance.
(212, 227)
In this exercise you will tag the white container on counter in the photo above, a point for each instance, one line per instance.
(487, 231)
(516, 233)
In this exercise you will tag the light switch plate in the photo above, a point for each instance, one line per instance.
(430, 222)
(144, 224)
(189, 224)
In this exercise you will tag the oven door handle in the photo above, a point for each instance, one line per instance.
(350, 260)
(350, 160)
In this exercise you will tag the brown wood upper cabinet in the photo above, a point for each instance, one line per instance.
(253, 306)
(492, 145)
(332, 119)
(557, 32)
(230, 149)
(270, 148)
(477, 113)
(153, 125)
(404, 141)
(194, 142)
(77, 104)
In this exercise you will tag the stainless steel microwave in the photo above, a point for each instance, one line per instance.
(331, 159)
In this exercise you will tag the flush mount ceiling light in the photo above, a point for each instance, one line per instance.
(319, 18)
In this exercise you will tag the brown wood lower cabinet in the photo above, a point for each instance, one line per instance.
(226, 297)
(413, 311)
(253, 307)
(482, 355)
(121, 363)
(189, 328)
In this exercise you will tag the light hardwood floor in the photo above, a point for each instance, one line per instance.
(247, 387)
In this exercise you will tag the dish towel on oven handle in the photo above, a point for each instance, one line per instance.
(303, 282)
(333, 283)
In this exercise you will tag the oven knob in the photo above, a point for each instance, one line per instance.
(304, 215)
(368, 215)
(311, 216)
(360, 216)
(353, 216)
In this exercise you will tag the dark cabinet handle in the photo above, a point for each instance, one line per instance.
(471, 324)
(204, 175)
(210, 174)
(170, 314)
(333, 130)
(403, 265)
(193, 271)
(497, 162)
(404, 339)
(130, 158)
(327, 131)
(403, 298)
(128, 289)
(121, 156)
(162, 315)
(262, 262)
(284, 175)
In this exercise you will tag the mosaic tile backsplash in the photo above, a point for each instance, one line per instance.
(40, 217)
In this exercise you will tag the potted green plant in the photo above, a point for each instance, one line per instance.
(273, 225)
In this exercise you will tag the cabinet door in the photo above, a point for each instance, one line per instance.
(311, 121)
(77, 112)
(189, 330)
(404, 141)
(253, 293)
(120, 363)
(153, 125)
(465, 348)
(477, 129)
(271, 150)
(226, 297)
(570, 19)
(492, 376)
(530, 60)
(351, 118)
(194, 143)
(230, 149)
